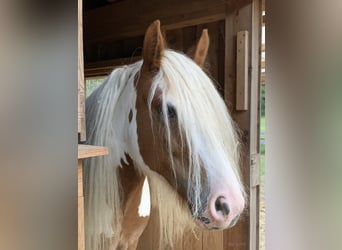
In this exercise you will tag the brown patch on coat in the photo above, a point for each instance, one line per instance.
(130, 116)
(133, 225)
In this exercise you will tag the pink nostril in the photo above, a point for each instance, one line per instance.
(222, 206)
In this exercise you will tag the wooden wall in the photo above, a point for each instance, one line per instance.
(111, 38)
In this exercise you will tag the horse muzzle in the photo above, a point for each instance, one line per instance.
(223, 211)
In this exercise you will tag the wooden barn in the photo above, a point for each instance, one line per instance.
(111, 34)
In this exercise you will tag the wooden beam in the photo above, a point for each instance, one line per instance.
(102, 68)
(86, 151)
(263, 47)
(238, 236)
(131, 17)
(81, 127)
(254, 195)
(80, 206)
(242, 70)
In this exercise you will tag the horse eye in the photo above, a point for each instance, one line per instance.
(171, 112)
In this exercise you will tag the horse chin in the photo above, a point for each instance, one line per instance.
(205, 223)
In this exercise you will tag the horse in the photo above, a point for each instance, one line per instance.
(173, 149)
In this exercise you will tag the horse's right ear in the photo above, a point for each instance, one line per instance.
(154, 46)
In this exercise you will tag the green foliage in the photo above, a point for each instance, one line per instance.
(262, 100)
(92, 84)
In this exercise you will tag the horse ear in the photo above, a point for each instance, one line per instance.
(200, 53)
(154, 46)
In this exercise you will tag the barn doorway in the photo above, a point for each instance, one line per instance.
(108, 44)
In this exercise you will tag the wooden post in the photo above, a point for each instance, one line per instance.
(84, 151)
(80, 205)
(81, 89)
(242, 70)
(245, 235)
(255, 65)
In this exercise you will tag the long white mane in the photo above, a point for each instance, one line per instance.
(207, 128)
(207, 131)
(107, 109)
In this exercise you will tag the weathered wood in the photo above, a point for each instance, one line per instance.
(86, 151)
(80, 206)
(130, 18)
(242, 70)
(238, 236)
(255, 170)
(255, 41)
(102, 68)
(213, 240)
(255, 75)
(193, 240)
(81, 90)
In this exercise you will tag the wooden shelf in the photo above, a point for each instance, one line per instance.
(86, 151)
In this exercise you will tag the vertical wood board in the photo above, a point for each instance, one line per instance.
(255, 41)
(80, 206)
(242, 70)
(81, 88)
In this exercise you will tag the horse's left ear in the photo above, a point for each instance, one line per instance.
(154, 46)
(200, 53)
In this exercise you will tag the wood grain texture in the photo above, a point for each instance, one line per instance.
(237, 237)
(81, 88)
(102, 68)
(86, 151)
(255, 42)
(213, 240)
(80, 208)
(193, 240)
(130, 18)
(242, 70)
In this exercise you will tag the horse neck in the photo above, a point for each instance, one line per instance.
(109, 124)
(111, 112)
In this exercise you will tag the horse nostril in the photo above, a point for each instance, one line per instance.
(222, 206)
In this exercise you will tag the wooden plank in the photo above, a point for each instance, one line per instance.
(80, 206)
(255, 170)
(263, 78)
(80, 179)
(263, 47)
(86, 151)
(242, 70)
(255, 76)
(238, 236)
(130, 18)
(212, 240)
(102, 68)
(263, 64)
(193, 240)
(80, 223)
(81, 89)
(255, 66)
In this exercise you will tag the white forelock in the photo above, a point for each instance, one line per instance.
(207, 128)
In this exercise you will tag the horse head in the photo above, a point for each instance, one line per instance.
(185, 132)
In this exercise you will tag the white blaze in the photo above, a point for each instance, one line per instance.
(145, 202)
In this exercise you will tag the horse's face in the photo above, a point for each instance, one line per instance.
(177, 141)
